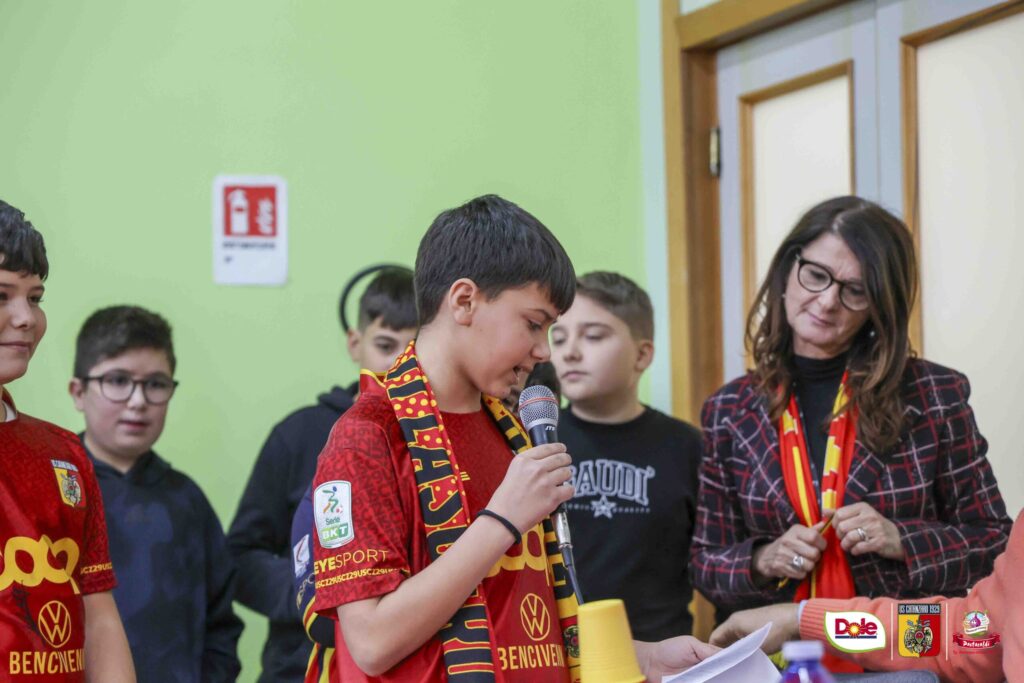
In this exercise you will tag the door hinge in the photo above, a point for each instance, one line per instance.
(715, 152)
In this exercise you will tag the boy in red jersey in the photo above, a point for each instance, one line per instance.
(58, 620)
(432, 547)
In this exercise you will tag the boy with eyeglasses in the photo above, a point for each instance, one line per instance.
(176, 577)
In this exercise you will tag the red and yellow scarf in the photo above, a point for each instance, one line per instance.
(466, 640)
(831, 577)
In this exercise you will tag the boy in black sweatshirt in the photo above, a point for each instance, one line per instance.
(634, 468)
(175, 576)
(259, 537)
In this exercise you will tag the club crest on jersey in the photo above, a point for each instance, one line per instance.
(571, 636)
(69, 483)
(332, 510)
(920, 629)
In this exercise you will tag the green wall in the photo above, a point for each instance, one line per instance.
(115, 116)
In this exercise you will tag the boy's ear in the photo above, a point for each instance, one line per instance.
(76, 389)
(645, 354)
(462, 299)
(352, 339)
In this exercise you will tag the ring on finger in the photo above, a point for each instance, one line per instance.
(863, 534)
(798, 561)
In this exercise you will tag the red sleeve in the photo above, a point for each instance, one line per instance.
(361, 541)
(97, 573)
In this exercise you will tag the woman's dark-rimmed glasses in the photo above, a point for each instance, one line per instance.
(816, 278)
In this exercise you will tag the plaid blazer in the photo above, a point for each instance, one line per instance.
(936, 485)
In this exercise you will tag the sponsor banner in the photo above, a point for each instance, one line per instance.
(975, 636)
(976, 643)
(854, 631)
(920, 629)
(39, 560)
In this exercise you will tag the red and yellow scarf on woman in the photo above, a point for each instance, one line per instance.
(466, 641)
(831, 577)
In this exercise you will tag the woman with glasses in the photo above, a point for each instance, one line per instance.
(842, 464)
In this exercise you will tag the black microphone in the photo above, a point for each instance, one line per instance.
(538, 409)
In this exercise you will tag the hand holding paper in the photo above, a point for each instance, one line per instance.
(743, 662)
(783, 620)
(671, 655)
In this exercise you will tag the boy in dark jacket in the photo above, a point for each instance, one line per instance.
(175, 576)
(259, 537)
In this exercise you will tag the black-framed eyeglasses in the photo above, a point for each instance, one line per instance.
(119, 386)
(816, 278)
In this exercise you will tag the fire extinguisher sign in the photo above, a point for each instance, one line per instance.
(250, 230)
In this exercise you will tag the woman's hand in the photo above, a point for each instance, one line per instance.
(862, 529)
(670, 656)
(741, 624)
(792, 555)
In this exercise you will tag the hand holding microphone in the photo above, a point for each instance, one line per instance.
(533, 486)
(536, 481)
(538, 409)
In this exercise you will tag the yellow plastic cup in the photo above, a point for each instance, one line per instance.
(606, 644)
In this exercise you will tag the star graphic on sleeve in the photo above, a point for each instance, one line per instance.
(603, 507)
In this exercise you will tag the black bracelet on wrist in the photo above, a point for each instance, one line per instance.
(507, 524)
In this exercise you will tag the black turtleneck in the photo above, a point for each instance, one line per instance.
(816, 383)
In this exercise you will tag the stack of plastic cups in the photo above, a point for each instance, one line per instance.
(606, 644)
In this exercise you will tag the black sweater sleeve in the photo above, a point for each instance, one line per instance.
(259, 535)
(223, 627)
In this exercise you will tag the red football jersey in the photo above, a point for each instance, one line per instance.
(377, 540)
(53, 540)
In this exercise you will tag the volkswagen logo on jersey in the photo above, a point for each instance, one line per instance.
(535, 617)
(54, 622)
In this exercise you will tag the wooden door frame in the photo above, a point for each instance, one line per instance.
(748, 227)
(690, 44)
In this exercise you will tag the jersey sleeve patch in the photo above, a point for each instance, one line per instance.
(332, 511)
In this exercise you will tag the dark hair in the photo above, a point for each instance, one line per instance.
(21, 246)
(544, 374)
(109, 332)
(497, 245)
(621, 297)
(390, 296)
(884, 248)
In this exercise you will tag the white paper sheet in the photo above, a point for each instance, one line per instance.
(741, 662)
